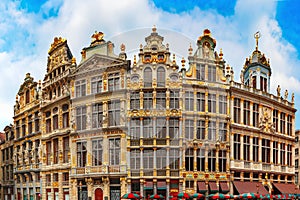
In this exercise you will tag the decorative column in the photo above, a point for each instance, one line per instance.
(60, 186)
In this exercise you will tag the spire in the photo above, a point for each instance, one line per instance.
(257, 36)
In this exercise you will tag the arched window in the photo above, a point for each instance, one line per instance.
(148, 77)
(161, 77)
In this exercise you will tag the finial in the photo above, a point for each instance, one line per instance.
(73, 60)
(122, 47)
(293, 97)
(134, 60)
(257, 36)
(182, 62)
(141, 46)
(221, 54)
(278, 90)
(154, 29)
(190, 50)
(174, 62)
(97, 36)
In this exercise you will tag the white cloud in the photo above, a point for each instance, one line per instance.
(77, 20)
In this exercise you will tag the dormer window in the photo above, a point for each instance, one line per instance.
(160, 57)
(147, 58)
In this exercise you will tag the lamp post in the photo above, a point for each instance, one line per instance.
(80, 190)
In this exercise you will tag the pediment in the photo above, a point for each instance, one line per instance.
(97, 62)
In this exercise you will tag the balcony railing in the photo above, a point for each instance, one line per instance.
(161, 141)
(134, 142)
(148, 173)
(113, 169)
(174, 173)
(247, 164)
(161, 172)
(65, 183)
(266, 166)
(135, 172)
(148, 141)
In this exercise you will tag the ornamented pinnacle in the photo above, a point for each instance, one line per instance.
(122, 47)
(182, 62)
(57, 41)
(190, 50)
(97, 36)
(257, 36)
(154, 29)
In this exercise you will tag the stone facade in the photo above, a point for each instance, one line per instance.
(105, 126)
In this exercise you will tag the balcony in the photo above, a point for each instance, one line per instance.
(148, 173)
(134, 142)
(135, 172)
(247, 164)
(160, 141)
(161, 172)
(148, 141)
(174, 142)
(266, 167)
(174, 172)
(65, 183)
(114, 169)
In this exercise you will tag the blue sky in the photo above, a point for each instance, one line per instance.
(27, 28)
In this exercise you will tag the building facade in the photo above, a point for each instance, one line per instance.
(109, 126)
(7, 164)
(27, 137)
(55, 122)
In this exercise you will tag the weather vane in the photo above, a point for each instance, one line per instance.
(257, 36)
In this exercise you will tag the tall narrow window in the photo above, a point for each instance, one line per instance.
(211, 73)
(114, 151)
(222, 160)
(263, 84)
(275, 152)
(80, 88)
(265, 148)
(48, 153)
(161, 77)
(237, 110)
(114, 113)
(201, 101)
(212, 160)
(66, 149)
(17, 129)
(55, 151)
(173, 128)
(254, 81)
(135, 100)
(212, 130)
(36, 122)
(55, 118)
(148, 100)
(289, 125)
(246, 148)
(222, 131)
(65, 115)
(161, 129)
(81, 154)
(289, 155)
(160, 100)
(96, 85)
(135, 159)
(255, 149)
(113, 82)
(29, 124)
(201, 159)
(81, 118)
(282, 123)
(222, 104)
(200, 72)
(27, 96)
(174, 159)
(255, 115)
(97, 115)
(275, 119)
(48, 122)
(147, 128)
(282, 154)
(135, 128)
(237, 147)
(174, 99)
(148, 77)
(212, 103)
(189, 101)
(97, 152)
(189, 159)
(23, 127)
(247, 112)
(161, 155)
(189, 129)
(201, 129)
(148, 157)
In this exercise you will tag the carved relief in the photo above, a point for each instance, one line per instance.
(266, 123)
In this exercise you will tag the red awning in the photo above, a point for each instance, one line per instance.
(202, 187)
(224, 187)
(245, 187)
(213, 187)
(285, 188)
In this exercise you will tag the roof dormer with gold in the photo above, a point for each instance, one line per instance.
(155, 52)
(256, 72)
(28, 95)
(98, 46)
(206, 64)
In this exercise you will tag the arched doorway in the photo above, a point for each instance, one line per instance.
(98, 194)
